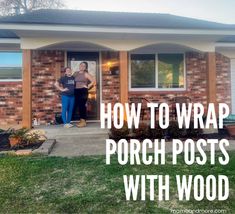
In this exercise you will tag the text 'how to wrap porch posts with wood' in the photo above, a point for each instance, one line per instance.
(27, 89)
(123, 56)
(211, 79)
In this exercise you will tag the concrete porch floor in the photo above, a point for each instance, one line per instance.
(74, 141)
(89, 140)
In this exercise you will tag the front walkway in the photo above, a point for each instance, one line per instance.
(77, 141)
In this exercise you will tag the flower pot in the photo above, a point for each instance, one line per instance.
(14, 141)
(231, 130)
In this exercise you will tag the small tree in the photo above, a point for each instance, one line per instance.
(12, 7)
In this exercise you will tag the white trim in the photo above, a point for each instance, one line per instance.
(11, 80)
(225, 44)
(156, 89)
(9, 41)
(156, 77)
(113, 29)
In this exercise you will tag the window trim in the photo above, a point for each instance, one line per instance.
(13, 80)
(156, 75)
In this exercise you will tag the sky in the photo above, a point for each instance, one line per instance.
(10, 59)
(222, 11)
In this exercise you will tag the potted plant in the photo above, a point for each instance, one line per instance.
(4, 136)
(17, 137)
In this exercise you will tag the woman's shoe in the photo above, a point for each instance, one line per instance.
(81, 124)
(68, 125)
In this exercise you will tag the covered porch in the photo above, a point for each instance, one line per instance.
(115, 82)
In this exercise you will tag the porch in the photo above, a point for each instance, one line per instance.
(199, 82)
(91, 140)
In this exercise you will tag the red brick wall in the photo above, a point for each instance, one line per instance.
(110, 83)
(45, 99)
(223, 78)
(10, 103)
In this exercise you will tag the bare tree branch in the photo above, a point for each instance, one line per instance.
(9, 7)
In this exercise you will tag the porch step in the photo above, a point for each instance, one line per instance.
(74, 141)
(88, 131)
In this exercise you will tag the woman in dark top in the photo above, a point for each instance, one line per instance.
(83, 82)
(67, 96)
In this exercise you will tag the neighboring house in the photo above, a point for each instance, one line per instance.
(157, 56)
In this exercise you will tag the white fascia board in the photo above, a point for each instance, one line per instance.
(9, 41)
(72, 28)
(225, 44)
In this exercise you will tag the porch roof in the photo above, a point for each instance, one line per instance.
(112, 19)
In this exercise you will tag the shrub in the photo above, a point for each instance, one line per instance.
(192, 132)
(157, 132)
(118, 134)
(142, 131)
(173, 130)
(19, 133)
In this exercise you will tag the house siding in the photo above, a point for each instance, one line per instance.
(45, 97)
(10, 103)
(223, 79)
(110, 83)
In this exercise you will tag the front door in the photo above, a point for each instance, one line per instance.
(92, 58)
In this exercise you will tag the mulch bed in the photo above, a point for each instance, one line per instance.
(5, 145)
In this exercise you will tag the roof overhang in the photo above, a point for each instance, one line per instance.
(35, 36)
(103, 29)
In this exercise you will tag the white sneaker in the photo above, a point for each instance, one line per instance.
(68, 125)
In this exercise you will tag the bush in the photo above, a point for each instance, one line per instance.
(157, 133)
(173, 130)
(142, 132)
(191, 132)
(118, 134)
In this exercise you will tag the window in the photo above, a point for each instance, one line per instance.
(161, 71)
(10, 65)
(143, 71)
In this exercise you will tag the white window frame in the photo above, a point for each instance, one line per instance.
(12, 80)
(156, 75)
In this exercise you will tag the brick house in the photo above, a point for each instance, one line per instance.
(156, 56)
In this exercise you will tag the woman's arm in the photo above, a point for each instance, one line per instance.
(57, 85)
(91, 79)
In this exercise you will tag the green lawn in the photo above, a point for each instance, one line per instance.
(86, 185)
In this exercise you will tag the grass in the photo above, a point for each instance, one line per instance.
(86, 185)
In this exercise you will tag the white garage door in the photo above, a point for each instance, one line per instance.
(233, 84)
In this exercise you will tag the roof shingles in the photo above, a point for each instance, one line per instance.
(112, 19)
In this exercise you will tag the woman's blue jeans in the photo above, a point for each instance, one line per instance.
(67, 108)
